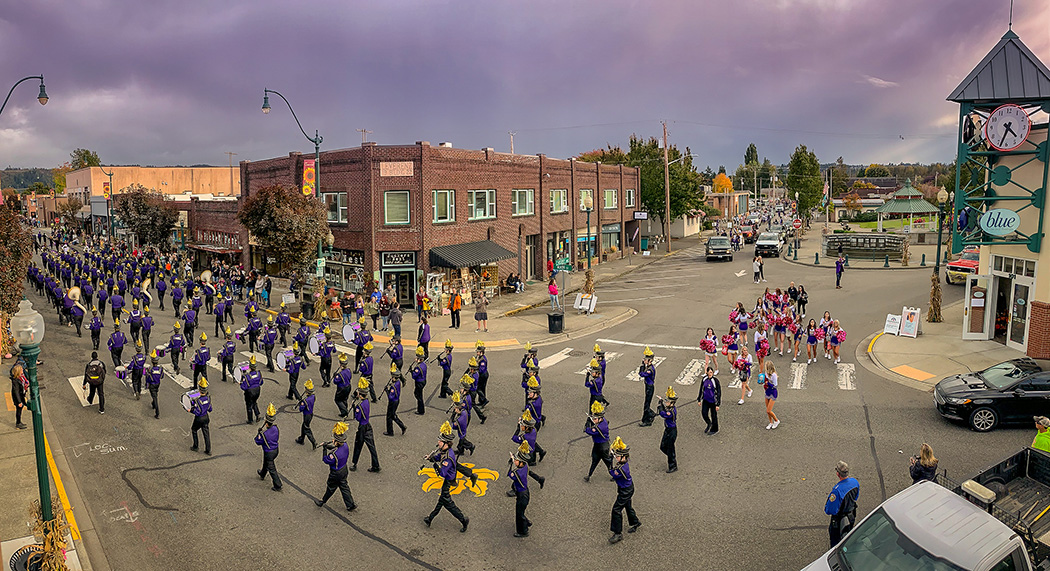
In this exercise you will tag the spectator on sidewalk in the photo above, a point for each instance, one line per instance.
(552, 289)
(481, 312)
(550, 268)
(1042, 437)
(19, 391)
(840, 266)
(756, 266)
(419, 306)
(395, 318)
(384, 311)
(373, 312)
(923, 466)
(455, 305)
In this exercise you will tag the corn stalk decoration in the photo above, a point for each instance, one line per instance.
(934, 314)
(52, 534)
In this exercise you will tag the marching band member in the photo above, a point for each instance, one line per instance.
(306, 406)
(361, 338)
(594, 381)
(526, 432)
(393, 396)
(302, 337)
(445, 360)
(647, 372)
(621, 472)
(220, 315)
(254, 327)
(294, 365)
(200, 409)
(519, 474)
(325, 351)
(395, 351)
(137, 366)
(284, 323)
(669, 413)
(147, 325)
(176, 345)
(534, 402)
(483, 373)
(269, 340)
(153, 376)
(200, 359)
(251, 385)
(189, 322)
(366, 369)
(343, 386)
(598, 429)
(419, 378)
(336, 453)
(96, 328)
(364, 428)
(268, 437)
(445, 466)
(116, 343)
(226, 354)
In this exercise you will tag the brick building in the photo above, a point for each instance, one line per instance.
(407, 214)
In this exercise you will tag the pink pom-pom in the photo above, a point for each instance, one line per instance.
(727, 339)
(707, 345)
(732, 316)
(841, 335)
(820, 334)
(793, 327)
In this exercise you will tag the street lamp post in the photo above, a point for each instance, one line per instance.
(41, 97)
(182, 234)
(28, 328)
(798, 231)
(109, 200)
(316, 140)
(934, 315)
(588, 205)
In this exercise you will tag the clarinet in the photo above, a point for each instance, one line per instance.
(432, 457)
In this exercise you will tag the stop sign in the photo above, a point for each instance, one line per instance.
(797, 224)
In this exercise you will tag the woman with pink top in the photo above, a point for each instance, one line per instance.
(553, 290)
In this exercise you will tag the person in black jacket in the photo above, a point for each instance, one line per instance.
(923, 466)
(709, 400)
(19, 391)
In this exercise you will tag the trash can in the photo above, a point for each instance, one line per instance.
(645, 243)
(555, 322)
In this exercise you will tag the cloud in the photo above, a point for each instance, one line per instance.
(880, 83)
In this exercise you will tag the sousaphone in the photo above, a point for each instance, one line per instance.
(74, 294)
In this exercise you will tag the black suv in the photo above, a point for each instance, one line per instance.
(719, 247)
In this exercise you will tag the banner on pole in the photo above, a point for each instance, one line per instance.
(309, 176)
(105, 190)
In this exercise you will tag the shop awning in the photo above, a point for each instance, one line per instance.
(214, 249)
(468, 255)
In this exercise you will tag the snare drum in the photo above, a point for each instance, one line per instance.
(315, 343)
(240, 371)
(122, 372)
(161, 350)
(188, 398)
(348, 331)
(283, 358)
(241, 334)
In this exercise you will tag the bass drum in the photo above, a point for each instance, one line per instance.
(283, 358)
(315, 343)
(240, 371)
(348, 331)
(188, 398)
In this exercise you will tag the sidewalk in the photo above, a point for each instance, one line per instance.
(809, 248)
(939, 352)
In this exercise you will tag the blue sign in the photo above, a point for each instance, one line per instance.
(1000, 222)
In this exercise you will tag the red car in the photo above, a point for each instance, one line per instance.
(965, 265)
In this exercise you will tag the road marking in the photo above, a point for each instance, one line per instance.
(635, 377)
(556, 358)
(912, 373)
(798, 376)
(606, 302)
(650, 345)
(610, 356)
(847, 376)
(73, 528)
(610, 290)
(180, 379)
(691, 372)
(735, 383)
(77, 384)
(10, 402)
(873, 340)
(740, 274)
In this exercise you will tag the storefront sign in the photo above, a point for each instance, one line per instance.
(1000, 221)
(910, 322)
(400, 168)
(893, 324)
(641, 215)
(309, 176)
(352, 257)
(399, 259)
(611, 228)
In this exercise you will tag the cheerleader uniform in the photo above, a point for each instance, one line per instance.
(714, 340)
(732, 347)
(745, 371)
(759, 337)
(834, 337)
(811, 337)
(741, 322)
(771, 386)
(826, 326)
(780, 327)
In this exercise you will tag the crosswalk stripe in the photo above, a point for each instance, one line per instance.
(556, 358)
(77, 383)
(610, 356)
(691, 372)
(180, 379)
(633, 344)
(847, 376)
(635, 377)
(798, 376)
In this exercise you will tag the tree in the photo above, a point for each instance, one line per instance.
(69, 209)
(608, 156)
(804, 178)
(875, 170)
(839, 179)
(12, 199)
(722, 184)
(15, 251)
(751, 155)
(59, 176)
(83, 158)
(852, 203)
(286, 223)
(39, 188)
(147, 213)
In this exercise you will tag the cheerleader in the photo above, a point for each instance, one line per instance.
(770, 386)
(740, 317)
(761, 345)
(778, 299)
(780, 321)
(743, 367)
(730, 346)
(795, 327)
(811, 342)
(835, 337)
(825, 324)
(709, 344)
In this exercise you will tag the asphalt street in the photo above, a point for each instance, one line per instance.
(747, 497)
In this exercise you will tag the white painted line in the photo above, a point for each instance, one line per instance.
(607, 302)
(556, 358)
(610, 290)
(740, 274)
(691, 373)
(180, 379)
(77, 383)
(735, 383)
(650, 345)
(847, 376)
(609, 357)
(798, 376)
(635, 377)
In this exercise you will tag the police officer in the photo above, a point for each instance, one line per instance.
(336, 453)
(226, 355)
(393, 395)
(200, 409)
(153, 376)
(445, 361)
(200, 359)
(598, 429)
(364, 428)
(418, 370)
(325, 352)
(343, 386)
(251, 384)
(842, 504)
(648, 374)
(306, 406)
(669, 412)
(444, 462)
(519, 474)
(269, 339)
(621, 473)
(268, 437)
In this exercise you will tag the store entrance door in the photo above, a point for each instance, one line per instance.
(404, 284)
(1017, 332)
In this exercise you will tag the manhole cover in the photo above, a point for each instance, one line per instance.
(575, 353)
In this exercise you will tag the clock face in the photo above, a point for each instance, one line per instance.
(1007, 127)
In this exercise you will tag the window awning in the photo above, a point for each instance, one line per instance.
(214, 249)
(468, 255)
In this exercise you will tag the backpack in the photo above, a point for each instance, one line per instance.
(94, 372)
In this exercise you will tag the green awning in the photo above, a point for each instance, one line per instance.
(907, 206)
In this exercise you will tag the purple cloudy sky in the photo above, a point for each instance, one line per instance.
(158, 83)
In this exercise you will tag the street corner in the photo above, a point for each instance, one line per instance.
(871, 354)
(534, 324)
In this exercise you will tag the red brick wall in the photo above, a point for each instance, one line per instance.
(1039, 330)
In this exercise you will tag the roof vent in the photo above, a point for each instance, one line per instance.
(446, 144)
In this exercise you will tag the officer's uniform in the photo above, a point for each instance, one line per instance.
(842, 507)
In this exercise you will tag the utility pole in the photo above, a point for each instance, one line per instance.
(364, 134)
(667, 194)
(512, 133)
(231, 155)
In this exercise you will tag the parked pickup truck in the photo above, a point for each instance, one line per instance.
(996, 520)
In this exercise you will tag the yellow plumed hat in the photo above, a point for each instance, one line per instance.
(528, 346)
(647, 352)
(327, 331)
(269, 319)
(466, 380)
(598, 349)
(271, 411)
(533, 383)
(153, 354)
(340, 428)
(116, 323)
(282, 305)
(445, 432)
(526, 418)
(393, 367)
(448, 343)
(597, 408)
(368, 346)
(251, 360)
(524, 452)
(670, 394)
(456, 398)
(362, 384)
(531, 364)
(295, 345)
(420, 352)
(594, 364)
(343, 358)
(309, 384)
(204, 336)
(362, 319)
(619, 446)
(138, 343)
(203, 383)
(479, 344)
(472, 362)
(177, 325)
(228, 330)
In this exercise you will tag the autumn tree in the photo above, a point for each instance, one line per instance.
(69, 209)
(875, 170)
(851, 202)
(12, 199)
(722, 184)
(15, 253)
(58, 175)
(286, 223)
(804, 178)
(147, 213)
(608, 156)
(81, 158)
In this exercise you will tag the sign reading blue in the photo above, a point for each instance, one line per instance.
(1000, 222)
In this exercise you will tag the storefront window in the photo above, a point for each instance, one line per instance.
(335, 202)
(444, 206)
(395, 207)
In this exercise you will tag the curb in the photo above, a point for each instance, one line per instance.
(876, 367)
(832, 266)
(601, 325)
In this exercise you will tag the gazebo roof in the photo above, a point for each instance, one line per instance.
(907, 200)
